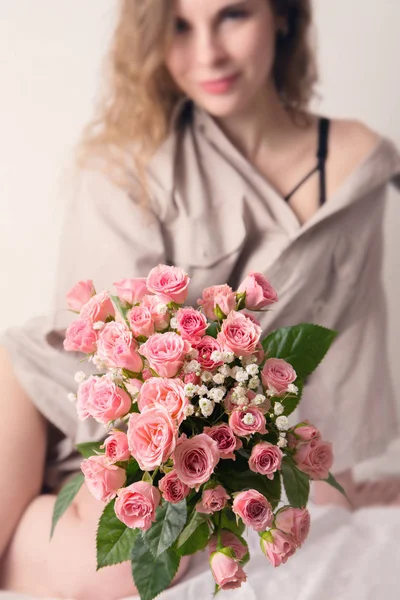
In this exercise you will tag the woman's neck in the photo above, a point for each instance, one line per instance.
(265, 124)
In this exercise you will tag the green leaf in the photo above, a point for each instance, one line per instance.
(228, 521)
(219, 313)
(197, 541)
(170, 520)
(212, 329)
(332, 481)
(152, 575)
(133, 472)
(196, 519)
(303, 346)
(89, 448)
(241, 300)
(114, 540)
(121, 308)
(65, 497)
(236, 480)
(297, 483)
(292, 402)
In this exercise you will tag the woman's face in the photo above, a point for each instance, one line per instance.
(222, 52)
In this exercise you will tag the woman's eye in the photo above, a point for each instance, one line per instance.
(234, 13)
(181, 26)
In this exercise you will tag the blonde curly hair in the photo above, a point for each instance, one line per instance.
(134, 113)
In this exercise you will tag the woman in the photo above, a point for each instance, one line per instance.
(204, 155)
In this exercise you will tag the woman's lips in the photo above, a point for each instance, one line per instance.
(219, 86)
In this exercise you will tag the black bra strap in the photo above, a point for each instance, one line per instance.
(322, 153)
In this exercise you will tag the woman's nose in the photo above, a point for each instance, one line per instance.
(209, 49)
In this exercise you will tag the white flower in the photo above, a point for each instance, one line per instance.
(216, 356)
(278, 408)
(193, 353)
(173, 323)
(72, 397)
(225, 370)
(206, 407)
(248, 419)
(201, 390)
(270, 393)
(228, 356)
(282, 422)
(99, 363)
(98, 325)
(219, 378)
(254, 383)
(241, 375)
(282, 434)
(191, 367)
(190, 390)
(292, 389)
(161, 308)
(243, 401)
(79, 376)
(206, 376)
(216, 394)
(259, 399)
(117, 376)
(252, 369)
(189, 410)
(282, 443)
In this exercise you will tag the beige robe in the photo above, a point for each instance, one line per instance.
(218, 218)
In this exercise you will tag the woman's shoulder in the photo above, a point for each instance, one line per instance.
(351, 141)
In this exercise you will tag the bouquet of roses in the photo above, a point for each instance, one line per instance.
(197, 441)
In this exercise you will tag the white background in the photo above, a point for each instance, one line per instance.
(50, 59)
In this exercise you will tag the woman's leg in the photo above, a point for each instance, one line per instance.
(22, 450)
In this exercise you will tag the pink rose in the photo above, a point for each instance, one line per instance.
(165, 352)
(247, 421)
(140, 321)
(117, 348)
(158, 310)
(227, 572)
(171, 283)
(259, 293)
(151, 437)
(295, 522)
(265, 459)
(80, 337)
(239, 334)
(229, 540)
(192, 324)
(315, 458)
(212, 500)
(169, 393)
(98, 308)
(306, 432)
(80, 294)
(192, 378)
(136, 505)
(223, 295)
(131, 290)
(172, 488)
(195, 459)
(116, 446)
(277, 546)
(225, 438)
(254, 510)
(277, 374)
(102, 479)
(205, 348)
(102, 399)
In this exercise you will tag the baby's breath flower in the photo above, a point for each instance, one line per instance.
(228, 356)
(243, 401)
(282, 422)
(191, 367)
(217, 394)
(241, 375)
(278, 408)
(206, 407)
(216, 356)
(161, 308)
(219, 378)
(99, 363)
(282, 434)
(282, 443)
(173, 323)
(259, 399)
(190, 390)
(293, 389)
(98, 325)
(206, 376)
(201, 390)
(117, 376)
(189, 410)
(79, 376)
(252, 369)
(225, 370)
(248, 419)
(72, 397)
(254, 383)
